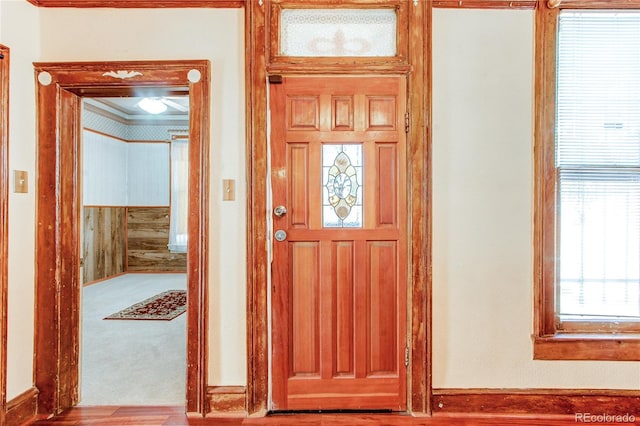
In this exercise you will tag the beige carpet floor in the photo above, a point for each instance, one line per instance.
(131, 362)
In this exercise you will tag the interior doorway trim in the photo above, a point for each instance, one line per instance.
(60, 87)
(259, 31)
(4, 226)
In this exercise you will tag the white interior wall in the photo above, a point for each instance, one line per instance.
(483, 211)
(19, 30)
(104, 170)
(482, 176)
(117, 173)
(148, 171)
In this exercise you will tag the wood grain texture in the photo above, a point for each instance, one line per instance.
(544, 172)
(57, 235)
(22, 409)
(594, 4)
(343, 299)
(485, 4)
(419, 196)
(147, 239)
(67, 293)
(599, 347)
(257, 258)
(4, 222)
(536, 402)
(104, 246)
(550, 341)
(46, 282)
(175, 416)
(304, 351)
(198, 230)
(226, 401)
(138, 3)
(415, 27)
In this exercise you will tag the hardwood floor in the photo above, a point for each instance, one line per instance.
(161, 416)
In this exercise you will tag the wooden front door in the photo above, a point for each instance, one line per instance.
(338, 294)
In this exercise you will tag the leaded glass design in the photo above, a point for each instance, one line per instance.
(342, 190)
(338, 32)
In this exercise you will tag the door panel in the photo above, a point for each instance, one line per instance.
(305, 298)
(339, 277)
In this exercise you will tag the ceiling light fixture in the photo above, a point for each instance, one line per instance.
(152, 105)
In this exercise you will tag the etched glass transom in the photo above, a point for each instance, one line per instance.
(342, 186)
(338, 32)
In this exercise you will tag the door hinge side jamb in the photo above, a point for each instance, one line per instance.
(406, 356)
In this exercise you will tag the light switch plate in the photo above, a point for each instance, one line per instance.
(228, 190)
(20, 181)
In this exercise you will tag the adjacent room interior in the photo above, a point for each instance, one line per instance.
(134, 243)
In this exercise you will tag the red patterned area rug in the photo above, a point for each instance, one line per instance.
(164, 306)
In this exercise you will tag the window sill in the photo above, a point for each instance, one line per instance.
(593, 347)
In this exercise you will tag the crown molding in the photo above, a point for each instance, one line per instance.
(594, 4)
(140, 3)
(485, 4)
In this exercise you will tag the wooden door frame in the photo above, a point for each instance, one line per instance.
(4, 224)
(57, 305)
(418, 71)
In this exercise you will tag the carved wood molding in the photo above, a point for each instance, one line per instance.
(535, 401)
(139, 3)
(485, 4)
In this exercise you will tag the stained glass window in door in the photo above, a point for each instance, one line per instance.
(338, 32)
(342, 186)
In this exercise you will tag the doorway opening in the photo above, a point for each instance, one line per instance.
(60, 90)
(134, 238)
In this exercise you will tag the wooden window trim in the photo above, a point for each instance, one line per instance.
(4, 227)
(569, 341)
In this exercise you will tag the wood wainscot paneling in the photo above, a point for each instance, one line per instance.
(147, 239)
(226, 401)
(23, 408)
(104, 245)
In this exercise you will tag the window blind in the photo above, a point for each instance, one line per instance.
(598, 164)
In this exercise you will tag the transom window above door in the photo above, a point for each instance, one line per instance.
(317, 36)
(338, 32)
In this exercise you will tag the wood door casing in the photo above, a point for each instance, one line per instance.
(4, 223)
(57, 290)
(339, 294)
